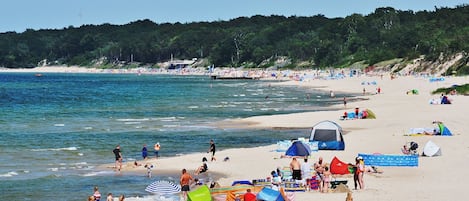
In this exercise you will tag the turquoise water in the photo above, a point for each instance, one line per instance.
(55, 129)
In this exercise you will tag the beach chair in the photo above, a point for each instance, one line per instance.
(286, 173)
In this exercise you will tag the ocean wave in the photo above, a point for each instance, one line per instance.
(171, 126)
(57, 149)
(92, 174)
(133, 120)
(59, 125)
(9, 174)
(165, 119)
(54, 169)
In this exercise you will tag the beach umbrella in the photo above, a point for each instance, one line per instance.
(163, 187)
(298, 148)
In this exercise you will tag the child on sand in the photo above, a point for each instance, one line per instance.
(327, 180)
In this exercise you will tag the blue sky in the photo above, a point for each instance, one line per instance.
(19, 15)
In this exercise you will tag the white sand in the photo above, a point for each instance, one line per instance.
(436, 178)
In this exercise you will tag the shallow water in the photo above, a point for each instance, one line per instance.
(55, 129)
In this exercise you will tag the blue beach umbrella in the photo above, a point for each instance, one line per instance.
(163, 187)
(298, 148)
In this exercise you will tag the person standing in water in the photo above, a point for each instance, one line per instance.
(118, 155)
(144, 152)
(157, 150)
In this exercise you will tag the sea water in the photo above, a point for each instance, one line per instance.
(57, 128)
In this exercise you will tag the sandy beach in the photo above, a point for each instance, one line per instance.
(436, 178)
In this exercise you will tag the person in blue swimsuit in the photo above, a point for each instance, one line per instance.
(144, 151)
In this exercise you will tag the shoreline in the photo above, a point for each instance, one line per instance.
(395, 112)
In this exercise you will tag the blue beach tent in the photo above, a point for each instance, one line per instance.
(328, 134)
(444, 130)
(268, 194)
(298, 148)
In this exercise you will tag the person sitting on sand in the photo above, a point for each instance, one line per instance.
(276, 180)
(201, 169)
(405, 150)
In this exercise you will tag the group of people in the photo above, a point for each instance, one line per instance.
(97, 196)
(156, 148)
(323, 175)
(185, 179)
(302, 172)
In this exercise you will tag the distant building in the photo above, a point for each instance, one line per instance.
(178, 64)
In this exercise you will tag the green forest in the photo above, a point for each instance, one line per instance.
(318, 41)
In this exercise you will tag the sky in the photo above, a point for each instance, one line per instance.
(19, 15)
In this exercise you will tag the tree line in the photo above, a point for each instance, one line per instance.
(248, 41)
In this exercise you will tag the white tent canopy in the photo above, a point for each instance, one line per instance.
(431, 149)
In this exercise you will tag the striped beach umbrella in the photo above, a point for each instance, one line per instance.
(163, 187)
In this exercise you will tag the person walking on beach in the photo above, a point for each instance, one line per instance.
(118, 155)
(212, 149)
(144, 152)
(185, 181)
(157, 150)
(345, 102)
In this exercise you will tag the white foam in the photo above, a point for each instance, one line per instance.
(143, 119)
(91, 174)
(57, 149)
(132, 122)
(9, 174)
(193, 107)
(53, 169)
(59, 125)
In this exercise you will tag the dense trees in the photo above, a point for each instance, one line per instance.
(384, 34)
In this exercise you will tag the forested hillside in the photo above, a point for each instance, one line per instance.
(248, 41)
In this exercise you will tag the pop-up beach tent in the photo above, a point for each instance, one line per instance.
(298, 148)
(431, 149)
(339, 167)
(444, 130)
(268, 194)
(328, 134)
